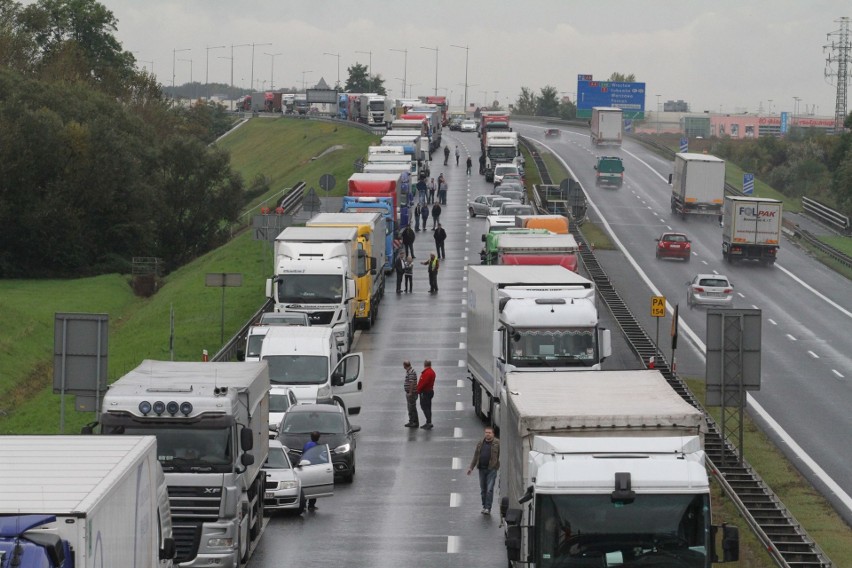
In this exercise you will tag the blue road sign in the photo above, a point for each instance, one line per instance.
(784, 122)
(628, 125)
(630, 97)
(748, 184)
(684, 144)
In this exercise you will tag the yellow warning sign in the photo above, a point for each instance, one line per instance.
(658, 306)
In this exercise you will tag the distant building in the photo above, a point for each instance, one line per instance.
(676, 106)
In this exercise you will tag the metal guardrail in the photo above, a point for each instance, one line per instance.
(228, 352)
(773, 524)
(827, 215)
(293, 200)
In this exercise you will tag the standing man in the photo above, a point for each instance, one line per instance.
(410, 385)
(424, 214)
(433, 266)
(315, 436)
(409, 275)
(408, 240)
(442, 190)
(457, 154)
(417, 209)
(399, 266)
(422, 188)
(426, 390)
(446, 154)
(469, 164)
(486, 458)
(433, 187)
(440, 236)
(436, 216)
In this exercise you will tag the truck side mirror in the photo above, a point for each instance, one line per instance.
(241, 355)
(247, 459)
(269, 287)
(483, 237)
(246, 439)
(606, 343)
(497, 344)
(730, 544)
(350, 289)
(337, 379)
(168, 550)
(670, 178)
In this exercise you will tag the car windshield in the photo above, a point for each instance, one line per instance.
(503, 170)
(310, 288)
(307, 422)
(277, 459)
(572, 347)
(279, 402)
(297, 369)
(713, 282)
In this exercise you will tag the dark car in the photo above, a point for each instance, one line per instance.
(674, 245)
(335, 431)
(551, 133)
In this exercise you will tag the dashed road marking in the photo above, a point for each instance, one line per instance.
(740, 295)
(462, 329)
(460, 383)
(772, 321)
(457, 464)
(455, 499)
(452, 544)
(462, 362)
(791, 337)
(836, 372)
(457, 432)
(812, 354)
(459, 405)
(462, 345)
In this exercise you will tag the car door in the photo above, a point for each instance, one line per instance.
(347, 381)
(480, 207)
(316, 472)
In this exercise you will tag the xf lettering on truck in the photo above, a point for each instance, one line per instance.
(749, 211)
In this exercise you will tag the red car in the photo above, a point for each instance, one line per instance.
(674, 245)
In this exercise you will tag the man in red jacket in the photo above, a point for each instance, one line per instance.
(426, 390)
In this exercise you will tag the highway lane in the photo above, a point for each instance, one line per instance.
(806, 307)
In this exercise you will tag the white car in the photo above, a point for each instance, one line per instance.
(468, 126)
(709, 290)
(486, 205)
(502, 169)
(280, 401)
(283, 486)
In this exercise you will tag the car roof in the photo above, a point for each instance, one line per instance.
(720, 276)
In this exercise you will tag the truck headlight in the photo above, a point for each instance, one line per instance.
(324, 392)
(220, 542)
(344, 449)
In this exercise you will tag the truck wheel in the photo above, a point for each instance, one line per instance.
(254, 531)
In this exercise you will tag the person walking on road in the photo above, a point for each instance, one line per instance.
(409, 274)
(408, 237)
(486, 459)
(426, 391)
(422, 188)
(433, 187)
(482, 164)
(399, 267)
(433, 264)
(469, 164)
(446, 155)
(440, 236)
(417, 210)
(410, 386)
(424, 214)
(314, 441)
(436, 216)
(442, 190)
(457, 154)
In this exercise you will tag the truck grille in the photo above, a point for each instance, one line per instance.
(191, 506)
(320, 318)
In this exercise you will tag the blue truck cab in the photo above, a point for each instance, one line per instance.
(383, 205)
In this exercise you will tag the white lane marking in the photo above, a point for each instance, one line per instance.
(772, 321)
(464, 315)
(459, 405)
(701, 348)
(462, 363)
(704, 261)
(466, 249)
(754, 307)
(668, 227)
(464, 278)
(832, 303)
(456, 463)
(457, 432)
(455, 499)
(836, 372)
(812, 354)
(465, 259)
(715, 272)
(460, 384)
(791, 338)
(464, 301)
(740, 294)
(452, 544)
(462, 329)
(462, 345)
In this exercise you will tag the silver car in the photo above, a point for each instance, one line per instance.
(288, 487)
(709, 290)
(485, 205)
(516, 209)
(467, 126)
(516, 196)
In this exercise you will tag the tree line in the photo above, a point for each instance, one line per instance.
(96, 166)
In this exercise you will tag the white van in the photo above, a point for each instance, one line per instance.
(307, 360)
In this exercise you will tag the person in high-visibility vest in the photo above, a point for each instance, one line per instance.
(433, 264)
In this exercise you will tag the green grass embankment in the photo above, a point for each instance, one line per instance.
(281, 150)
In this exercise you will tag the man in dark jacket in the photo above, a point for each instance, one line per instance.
(408, 240)
(436, 216)
(486, 459)
(440, 237)
(399, 266)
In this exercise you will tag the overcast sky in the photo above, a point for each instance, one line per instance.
(733, 55)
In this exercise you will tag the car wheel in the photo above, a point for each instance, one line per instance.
(688, 258)
(657, 255)
(472, 212)
(302, 503)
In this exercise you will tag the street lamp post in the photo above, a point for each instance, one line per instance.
(207, 66)
(195, 95)
(369, 66)
(232, 59)
(174, 54)
(337, 55)
(658, 114)
(435, 49)
(404, 69)
(151, 63)
(252, 63)
(304, 85)
(272, 69)
(466, 54)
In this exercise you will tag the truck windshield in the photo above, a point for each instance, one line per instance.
(501, 152)
(653, 530)
(571, 347)
(185, 448)
(377, 105)
(297, 369)
(310, 288)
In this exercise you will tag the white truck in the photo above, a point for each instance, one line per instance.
(607, 126)
(211, 421)
(698, 185)
(501, 148)
(372, 235)
(605, 469)
(376, 110)
(315, 272)
(751, 229)
(307, 360)
(83, 502)
(536, 319)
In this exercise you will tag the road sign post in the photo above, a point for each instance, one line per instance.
(748, 184)
(658, 310)
(223, 280)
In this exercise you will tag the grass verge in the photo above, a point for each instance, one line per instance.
(139, 328)
(843, 244)
(814, 513)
